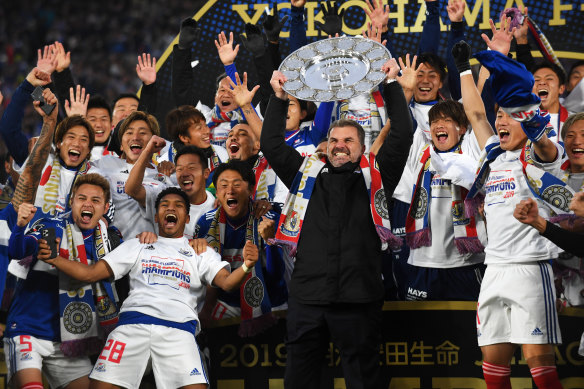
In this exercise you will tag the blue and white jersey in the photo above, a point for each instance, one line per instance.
(305, 139)
(8, 217)
(35, 308)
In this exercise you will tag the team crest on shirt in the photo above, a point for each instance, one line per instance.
(185, 252)
(292, 225)
(381, 204)
(458, 215)
(253, 292)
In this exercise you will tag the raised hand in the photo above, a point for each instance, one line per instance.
(391, 69)
(501, 40)
(378, 13)
(189, 33)
(37, 77)
(26, 212)
(47, 61)
(527, 213)
(277, 82)
(77, 103)
(409, 73)
(461, 53)
(267, 229)
(155, 144)
(455, 9)
(273, 25)
(50, 99)
(63, 57)
(250, 254)
(520, 32)
(227, 53)
(146, 69)
(241, 95)
(373, 32)
(333, 19)
(253, 41)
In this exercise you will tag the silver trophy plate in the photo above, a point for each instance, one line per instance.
(334, 69)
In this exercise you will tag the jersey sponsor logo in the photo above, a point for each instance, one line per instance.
(415, 294)
(100, 367)
(25, 356)
(195, 372)
(185, 252)
(166, 271)
(537, 332)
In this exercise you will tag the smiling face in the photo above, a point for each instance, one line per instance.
(134, 139)
(223, 98)
(344, 146)
(123, 107)
(88, 205)
(295, 114)
(511, 134)
(547, 87)
(190, 174)
(74, 148)
(428, 84)
(233, 194)
(241, 143)
(574, 145)
(101, 122)
(198, 134)
(446, 133)
(172, 216)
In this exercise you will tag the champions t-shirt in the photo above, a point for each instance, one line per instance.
(167, 278)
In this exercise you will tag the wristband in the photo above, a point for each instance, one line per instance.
(389, 80)
(466, 72)
(246, 269)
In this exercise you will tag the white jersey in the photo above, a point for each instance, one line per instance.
(167, 278)
(509, 239)
(130, 217)
(442, 253)
(99, 151)
(195, 211)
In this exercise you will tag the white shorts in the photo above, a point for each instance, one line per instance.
(27, 352)
(176, 359)
(517, 304)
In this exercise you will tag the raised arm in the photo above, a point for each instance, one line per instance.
(455, 10)
(80, 271)
(183, 80)
(430, 40)
(62, 77)
(134, 187)
(243, 97)
(297, 26)
(229, 281)
(284, 159)
(146, 71)
(31, 175)
(471, 98)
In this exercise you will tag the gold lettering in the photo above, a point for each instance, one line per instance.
(420, 354)
(241, 10)
(396, 353)
(571, 351)
(521, 383)
(311, 17)
(275, 383)
(230, 360)
(404, 383)
(399, 15)
(230, 384)
(281, 361)
(254, 352)
(458, 382)
(557, 12)
(559, 358)
(266, 362)
(353, 3)
(471, 16)
(572, 382)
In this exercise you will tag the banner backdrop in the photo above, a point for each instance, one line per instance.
(560, 20)
(424, 345)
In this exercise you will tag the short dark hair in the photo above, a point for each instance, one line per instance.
(180, 119)
(435, 62)
(553, 67)
(219, 79)
(188, 149)
(135, 116)
(70, 122)
(92, 179)
(449, 109)
(347, 123)
(126, 95)
(570, 121)
(575, 65)
(176, 191)
(242, 167)
(99, 102)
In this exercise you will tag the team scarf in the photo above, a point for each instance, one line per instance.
(219, 117)
(294, 211)
(418, 232)
(370, 113)
(87, 311)
(254, 300)
(48, 191)
(265, 178)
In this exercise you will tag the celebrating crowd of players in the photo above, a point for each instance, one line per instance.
(120, 244)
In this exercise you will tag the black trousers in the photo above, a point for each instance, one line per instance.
(354, 328)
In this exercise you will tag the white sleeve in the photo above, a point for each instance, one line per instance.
(150, 210)
(209, 265)
(123, 258)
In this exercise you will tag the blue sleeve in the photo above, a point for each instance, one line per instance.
(456, 35)
(231, 70)
(322, 121)
(430, 41)
(489, 103)
(11, 123)
(297, 29)
(20, 245)
(202, 227)
(385, 36)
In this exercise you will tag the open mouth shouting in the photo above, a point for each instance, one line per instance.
(441, 136)
(86, 216)
(186, 183)
(231, 203)
(170, 220)
(543, 93)
(74, 155)
(233, 149)
(504, 135)
(136, 148)
(578, 152)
